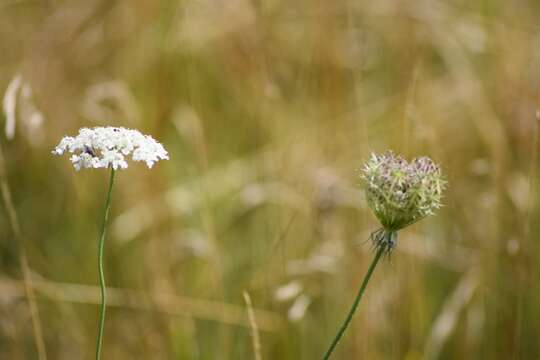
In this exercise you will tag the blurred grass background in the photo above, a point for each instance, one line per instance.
(267, 109)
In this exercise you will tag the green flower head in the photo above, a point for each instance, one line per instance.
(401, 193)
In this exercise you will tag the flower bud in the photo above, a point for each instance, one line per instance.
(401, 193)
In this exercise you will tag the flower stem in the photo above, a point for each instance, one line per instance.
(381, 248)
(100, 268)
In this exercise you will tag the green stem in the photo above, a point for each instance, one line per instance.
(100, 266)
(381, 248)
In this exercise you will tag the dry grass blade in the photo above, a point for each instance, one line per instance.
(25, 269)
(446, 322)
(166, 303)
(254, 329)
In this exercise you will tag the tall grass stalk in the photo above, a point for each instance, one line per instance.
(100, 268)
(254, 328)
(23, 260)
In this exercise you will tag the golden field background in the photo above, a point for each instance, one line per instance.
(267, 109)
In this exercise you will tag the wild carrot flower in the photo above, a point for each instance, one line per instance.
(399, 193)
(104, 147)
(108, 147)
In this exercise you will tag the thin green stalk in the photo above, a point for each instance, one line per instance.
(23, 260)
(100, 266)
(381, 248)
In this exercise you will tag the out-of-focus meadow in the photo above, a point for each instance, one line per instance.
(267, 109)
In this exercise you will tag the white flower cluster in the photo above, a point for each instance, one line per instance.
(104, 147)
(400, 192)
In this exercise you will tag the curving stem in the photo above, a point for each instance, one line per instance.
(100, 267)
(383, 246)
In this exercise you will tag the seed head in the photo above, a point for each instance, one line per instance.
(102, 147)
(399, 192)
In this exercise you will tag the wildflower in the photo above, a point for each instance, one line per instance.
(401, 193)
(104, 147)
(108, 147)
